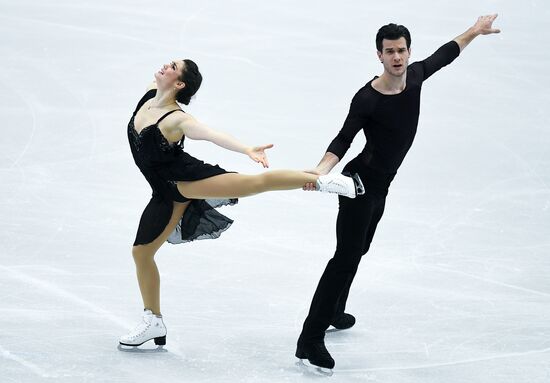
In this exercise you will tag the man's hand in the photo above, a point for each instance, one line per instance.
(328, 161)
(484, 25)
(257, 154)
(311, 185)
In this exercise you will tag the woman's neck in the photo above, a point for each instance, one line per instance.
(163, 98)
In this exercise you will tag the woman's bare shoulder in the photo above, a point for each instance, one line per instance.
(174, 125)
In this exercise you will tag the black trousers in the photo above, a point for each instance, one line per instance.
(355, 227)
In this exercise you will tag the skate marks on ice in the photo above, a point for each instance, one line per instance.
(307, 369)
(67, 27)
(6, 354)
(445, 364)
(31, 109)
(54, 291)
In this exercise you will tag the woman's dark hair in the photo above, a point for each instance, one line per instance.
(392, 32)
(192, 78)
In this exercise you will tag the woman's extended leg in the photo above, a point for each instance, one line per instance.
(234, 185)
(146, 268)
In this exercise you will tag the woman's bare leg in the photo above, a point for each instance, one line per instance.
(233, 185)
(146, 268)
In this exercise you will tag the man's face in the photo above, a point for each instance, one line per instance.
(395, 56)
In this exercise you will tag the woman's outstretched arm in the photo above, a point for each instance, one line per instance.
(196, 130)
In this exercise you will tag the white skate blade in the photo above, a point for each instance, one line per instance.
(312, 369)
(140, 350)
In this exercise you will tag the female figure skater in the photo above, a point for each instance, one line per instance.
(187, 190)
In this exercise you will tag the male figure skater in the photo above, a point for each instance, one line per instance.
(386, 109)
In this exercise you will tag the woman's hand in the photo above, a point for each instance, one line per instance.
(257, 154)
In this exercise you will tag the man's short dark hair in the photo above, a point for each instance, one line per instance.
(392, 32)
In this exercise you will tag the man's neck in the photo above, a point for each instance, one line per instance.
(388, 84)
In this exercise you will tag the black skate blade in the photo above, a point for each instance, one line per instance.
(359, 187)
(311, 369)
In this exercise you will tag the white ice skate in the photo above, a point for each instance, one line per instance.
(344, 185)
(151, 327)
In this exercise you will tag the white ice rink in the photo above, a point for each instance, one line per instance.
(456, 287)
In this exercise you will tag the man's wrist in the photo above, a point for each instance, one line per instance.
(474, 32)
(323, 169)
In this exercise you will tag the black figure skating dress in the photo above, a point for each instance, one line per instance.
(163, 164)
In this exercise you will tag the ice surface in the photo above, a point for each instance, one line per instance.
(456, 286)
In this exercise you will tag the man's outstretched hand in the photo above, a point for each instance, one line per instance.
(484, 25)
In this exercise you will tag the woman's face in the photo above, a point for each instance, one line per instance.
(169, 75)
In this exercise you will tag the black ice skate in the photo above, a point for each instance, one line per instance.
(316, 353)
(343, 321)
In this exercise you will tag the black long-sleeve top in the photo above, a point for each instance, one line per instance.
(389, 121)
